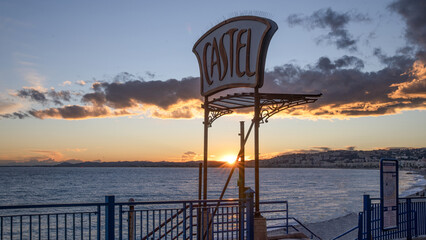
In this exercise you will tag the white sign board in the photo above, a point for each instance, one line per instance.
(389, 193)
(232, 54)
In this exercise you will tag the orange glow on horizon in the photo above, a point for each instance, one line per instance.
(229, 159)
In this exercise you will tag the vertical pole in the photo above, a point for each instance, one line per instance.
(250, 214)
(367, 212)
(409, 235)
(200, 186)
(241, 181)
(200, 180)
(109, 217)
(206, 131)
(256, 148)
(241, 164)
(360, 233)
(131, 220)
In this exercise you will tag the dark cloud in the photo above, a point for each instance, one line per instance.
(349, 91)
(59, 96)
(15, 115)
(334, 21)
(42, 96)
(150, 74)
(33, 94)
(325, 63)
(129, 92)
(413, 12)
(400, 61)
(72, 112)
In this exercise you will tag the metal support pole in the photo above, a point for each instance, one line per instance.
(241, 181)
(109, 217)
(256, 148)
(206, 132)
(200, 189)
(241, 164)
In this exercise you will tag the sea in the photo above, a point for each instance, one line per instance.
(313, 195)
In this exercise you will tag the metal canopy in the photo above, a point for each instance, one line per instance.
(270, 103)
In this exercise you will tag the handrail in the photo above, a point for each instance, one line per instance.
(116, 203)
(52, 205)
(301, 224)
(164, 223)
(347, 232)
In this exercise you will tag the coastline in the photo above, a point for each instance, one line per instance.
(333, 227)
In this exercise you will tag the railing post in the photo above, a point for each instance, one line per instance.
(367, 212)
(109, 217)
(250, 213)
(360, 224)
(184, 220)
(191, 216)
(131, 222)
(409, 236)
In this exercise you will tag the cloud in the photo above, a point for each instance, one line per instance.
(415, 88)
(48, 155)
(77, 112)
(76, 149)
(40, 96)
(33, 77)
(150, 74)
(7, 106)
(15, 115)
(189, 156)
(81, 83)
(130, 92)
(333, 21)
(33, 95)
(413, 12)
(349, 91)
(325, 64)
(66, 83)
(59, 96)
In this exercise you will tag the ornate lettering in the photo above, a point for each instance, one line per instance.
(215, 53)
(248, 48)
(224, 58)
(206, 73)
(231, 32)
(240, 45)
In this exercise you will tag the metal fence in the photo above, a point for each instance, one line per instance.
(411, 219)
(195, 219)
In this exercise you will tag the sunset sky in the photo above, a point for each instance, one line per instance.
(117, 80)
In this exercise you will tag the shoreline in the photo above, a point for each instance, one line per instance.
(333, 227)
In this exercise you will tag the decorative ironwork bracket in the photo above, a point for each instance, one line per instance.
(270, 107)
(215, 113)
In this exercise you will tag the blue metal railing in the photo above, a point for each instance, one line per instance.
(138, 220)
(411, 218)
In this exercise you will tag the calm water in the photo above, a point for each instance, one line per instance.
(313, 194)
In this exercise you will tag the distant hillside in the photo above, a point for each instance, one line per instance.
(409, 158)
(414, 158)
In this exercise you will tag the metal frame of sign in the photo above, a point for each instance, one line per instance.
(264, 104)
(270, 27)
(386, 195)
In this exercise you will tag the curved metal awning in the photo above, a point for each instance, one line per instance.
(270, 103)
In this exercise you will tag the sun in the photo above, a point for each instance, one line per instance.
(230, 159)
